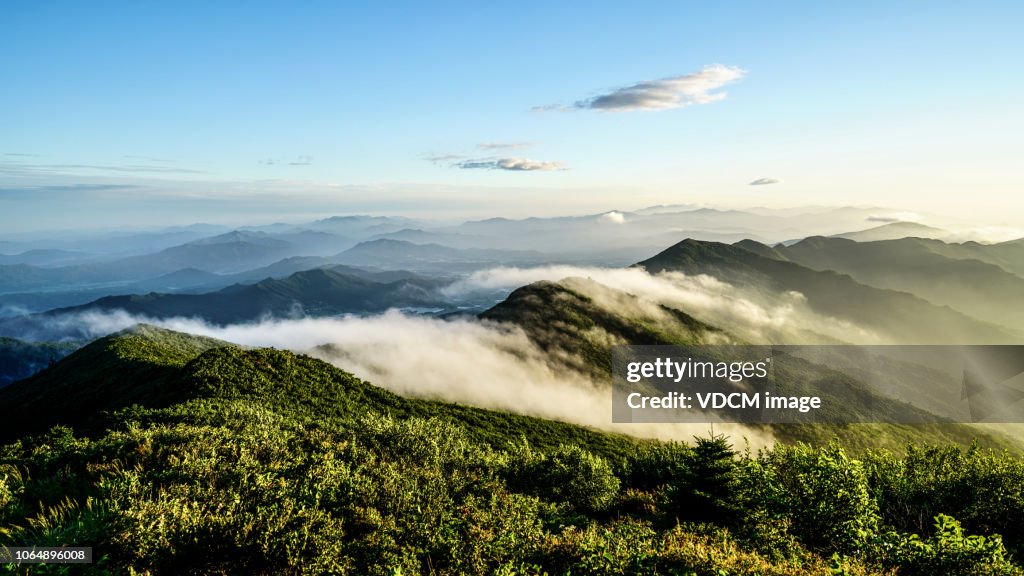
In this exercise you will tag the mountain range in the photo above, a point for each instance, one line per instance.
(969, 279)
(315, 292)
(176, 453)
(61, 269)
(576, 322)
(228, 253)
(896, 316)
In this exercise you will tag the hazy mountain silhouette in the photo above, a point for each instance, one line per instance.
(980, 289)
(316, 292)
(903, 317)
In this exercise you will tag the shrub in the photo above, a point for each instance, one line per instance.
(947, 551)
(981, 488)
(570, 474)
(823, 493)
(655, 464)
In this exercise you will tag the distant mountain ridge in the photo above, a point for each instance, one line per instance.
(895, 231)
(921, 267)
(902, 316)
(318, 291)
(45, 257)
(232, 252)
(390, 253)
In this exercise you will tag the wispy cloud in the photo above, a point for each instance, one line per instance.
(665, 94)
(504, 145)
(764, 182)
(894, 217)
(510, 164)
(66, 192)
(86, 187)
(147, 158)
(298, 161)
(443, 158)
(18, 168)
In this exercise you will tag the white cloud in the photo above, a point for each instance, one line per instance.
(469, 362)
(510, 164)
(615, 217)
(764, 182)
(665, 94)
(504, 145)
(747, 313)
(443, 158)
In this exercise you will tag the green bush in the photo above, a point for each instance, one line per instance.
(984, 489)
(822, 492)
(655, 464)
(947, 551)
(570, 474)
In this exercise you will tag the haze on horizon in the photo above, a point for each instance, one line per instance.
(144, 115)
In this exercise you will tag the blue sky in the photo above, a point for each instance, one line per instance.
(136, 112)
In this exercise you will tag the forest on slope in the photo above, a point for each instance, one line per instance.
(204, 457)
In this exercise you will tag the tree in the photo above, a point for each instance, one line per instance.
(708, 488)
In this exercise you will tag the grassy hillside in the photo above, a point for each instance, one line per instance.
(154, 368)
(221, 460)
(135, 366)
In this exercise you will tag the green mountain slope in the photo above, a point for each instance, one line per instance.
(1007, 255)
(978, 288)
(153, 368)
(574, 329)
(902, 317)
(134, 366)
(219, 460)
(577, 321)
